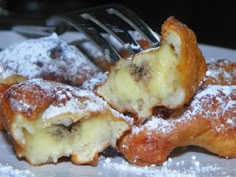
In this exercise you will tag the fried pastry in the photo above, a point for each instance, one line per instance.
(7, 78)
(209, 121)
(220, 72)
(49, 58)
(3, 88)
(47, 120)
(167, 76)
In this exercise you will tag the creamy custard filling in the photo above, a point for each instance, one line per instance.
(82, 140)
(149, 80)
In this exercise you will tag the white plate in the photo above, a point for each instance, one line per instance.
(188, 162)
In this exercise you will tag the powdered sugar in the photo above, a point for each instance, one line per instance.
(91, 83)
(64, 99)
(224, 102)
(5, 72)
(79, 101)
(73, 105)
(48, 57)
(190, 167)
(9, 171)
(219, 69)
(223, 99)
(20, 105)
(155, 124)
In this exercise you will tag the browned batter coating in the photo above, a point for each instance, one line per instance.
(7, 78)
(167, 76)
(221, 72)
(48, 120)
(208, 121)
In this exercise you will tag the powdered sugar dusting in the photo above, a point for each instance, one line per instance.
(64, 99)
(218, 69)
(219, 95)
(171, 168)
(68, 99)
(5, 72)
(196, 107)
(155, 123)
(91, 83)
(73, 105)
(222, 98)
(9, 171)
(48, 56)
(20, 105)
(80, 101)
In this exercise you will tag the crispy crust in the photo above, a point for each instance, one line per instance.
(167, 76)
(191, 68)
(220, 72)
(3, 88)
(64, 120)
(7, 79)
(208, 122)
(49, 58)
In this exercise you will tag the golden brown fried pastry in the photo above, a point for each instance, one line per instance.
(7, 78)
(49, 58)
(167, 76)
(48, 120)
(3, 88)
(209, 121)
(220, 72)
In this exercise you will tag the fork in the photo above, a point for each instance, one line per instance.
(111, 28)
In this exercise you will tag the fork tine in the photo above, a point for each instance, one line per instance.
(138, 24)
(90, 32)
(123, 38)
(101, 25)
(121, 35)
(114, 25)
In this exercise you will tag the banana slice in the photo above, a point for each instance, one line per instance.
(165, 76)
(49, 120)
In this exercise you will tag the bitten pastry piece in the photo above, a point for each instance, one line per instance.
(7, 78)
(166, 76)
(48, 120)
(209, 122)
(49, 58)
(220, 72)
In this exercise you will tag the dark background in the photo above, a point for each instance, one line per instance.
(214, 22)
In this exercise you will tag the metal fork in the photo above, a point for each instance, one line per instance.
(113, 20)
(109, 27)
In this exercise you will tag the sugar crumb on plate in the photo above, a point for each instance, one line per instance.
(171, 168)
(9, 171)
